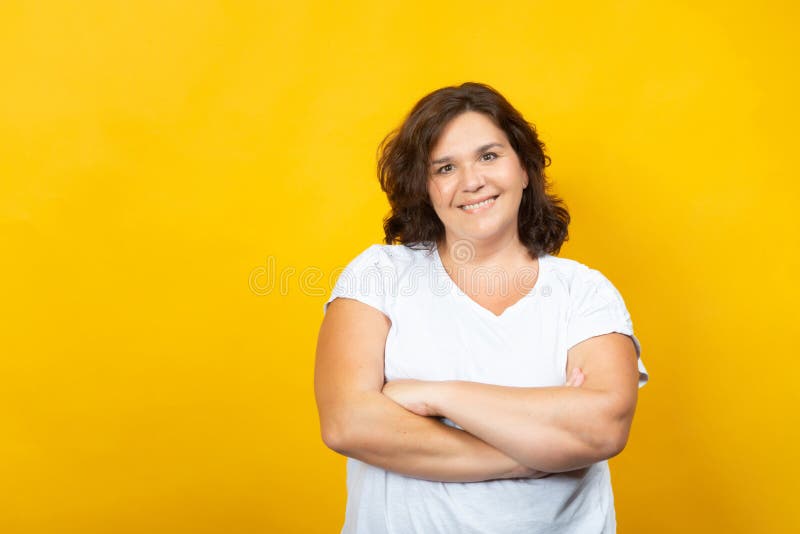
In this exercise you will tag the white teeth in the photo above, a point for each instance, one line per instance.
(478, 204)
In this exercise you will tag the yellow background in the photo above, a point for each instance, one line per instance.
(163, 163)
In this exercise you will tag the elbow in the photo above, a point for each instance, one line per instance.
(334, 437)
(615, 425)
(615, 440)
(335, 443)
(347, 427)
(330, 438)
(342, 433)
(614, 433)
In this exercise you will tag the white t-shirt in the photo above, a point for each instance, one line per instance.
(439, 333)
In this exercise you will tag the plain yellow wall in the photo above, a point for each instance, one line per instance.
(163, 164)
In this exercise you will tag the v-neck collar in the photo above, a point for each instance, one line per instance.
(458, 293)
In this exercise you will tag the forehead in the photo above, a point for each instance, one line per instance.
(467, 131)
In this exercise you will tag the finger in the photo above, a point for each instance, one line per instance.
(572, 378)
(579, 378)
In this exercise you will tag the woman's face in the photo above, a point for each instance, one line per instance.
(476, 180)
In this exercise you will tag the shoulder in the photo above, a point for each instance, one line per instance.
(582, 286)
(374, 275)
(594, 305)
(574, 275)
(397, 258)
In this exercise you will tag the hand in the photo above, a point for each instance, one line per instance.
(526, 472)
(413, 395)
(576, 378)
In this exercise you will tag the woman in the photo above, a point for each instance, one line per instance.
(443, 360)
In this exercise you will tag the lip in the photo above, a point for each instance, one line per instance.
(475, 201)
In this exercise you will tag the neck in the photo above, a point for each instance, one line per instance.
(472, 252)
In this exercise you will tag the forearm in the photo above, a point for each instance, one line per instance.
(378, 431)
(552, 429)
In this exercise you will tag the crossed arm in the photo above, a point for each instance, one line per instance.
(508, 432)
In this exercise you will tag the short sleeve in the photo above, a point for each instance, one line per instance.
(597, 308)
(369, 278)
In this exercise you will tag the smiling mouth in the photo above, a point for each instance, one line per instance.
(482, 203)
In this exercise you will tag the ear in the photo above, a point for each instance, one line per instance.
(525, 183)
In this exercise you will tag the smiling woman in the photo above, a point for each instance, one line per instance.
(417, 155)
(474, 403)
(476, 192)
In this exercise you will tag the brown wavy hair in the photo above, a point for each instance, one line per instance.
(404, 162)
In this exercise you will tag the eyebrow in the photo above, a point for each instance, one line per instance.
(480, 149)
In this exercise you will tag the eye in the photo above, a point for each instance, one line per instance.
(444, 169)
(489, 156)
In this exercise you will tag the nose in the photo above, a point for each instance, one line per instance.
(472, 179)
